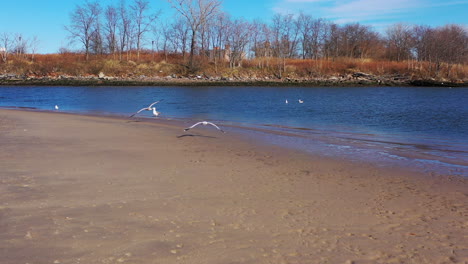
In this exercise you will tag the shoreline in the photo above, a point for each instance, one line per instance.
(346, 81)
(407, 156)
(296, 139)
(79, 188)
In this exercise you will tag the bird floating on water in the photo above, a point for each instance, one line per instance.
(56, 107)
(149, 108)
(286, 100)
(204, 123)
(300, 101)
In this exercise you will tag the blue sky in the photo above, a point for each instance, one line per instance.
(46, 19)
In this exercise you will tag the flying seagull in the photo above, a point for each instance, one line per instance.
(204, 123)
(149, 108)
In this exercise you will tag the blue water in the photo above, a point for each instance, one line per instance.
(419, 126)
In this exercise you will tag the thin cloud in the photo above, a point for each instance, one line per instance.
(449, 3)
(362, 10)
(375, 6)
(349, 11)
(282, 10)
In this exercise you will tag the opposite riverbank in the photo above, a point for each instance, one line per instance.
(356, 79)
(85, 189)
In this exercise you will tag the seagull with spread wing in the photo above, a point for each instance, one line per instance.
(204, 123)
(149, 108)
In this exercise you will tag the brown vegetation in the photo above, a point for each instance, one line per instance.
(206, 43)
(159, 65)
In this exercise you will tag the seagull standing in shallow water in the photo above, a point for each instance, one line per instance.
(149, 108)
(155, 113)
(204, 123)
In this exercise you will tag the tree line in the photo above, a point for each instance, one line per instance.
(18, 45)
(201, 28)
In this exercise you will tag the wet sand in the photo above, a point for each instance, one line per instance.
(84, 189)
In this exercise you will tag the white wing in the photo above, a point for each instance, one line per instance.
(204, 123)
(154, 103)
(216, 126)
(146, 108)
(139, 111)
(193, 126)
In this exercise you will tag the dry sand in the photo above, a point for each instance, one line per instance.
(83, 189)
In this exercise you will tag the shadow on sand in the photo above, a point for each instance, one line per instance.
(194, 135)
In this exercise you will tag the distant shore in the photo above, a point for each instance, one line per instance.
(357, 79)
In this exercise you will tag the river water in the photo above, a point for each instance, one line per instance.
(421, 127)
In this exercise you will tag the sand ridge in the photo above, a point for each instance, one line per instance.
(84, 189)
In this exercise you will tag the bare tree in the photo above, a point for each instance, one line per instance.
(453, 43)
(332, 40)
(143, 21)
(20, 45)
(84, 20)
(204, 38)
(312, 38)
(238, 38)
(371, 44)
(286, 35)
(421, 36)
(213, 32)
(261, 46)
(180, 30)
(316, 38)
(34, 44)
(97, 41)
(167, 38)
(5, 43)
(400, 42)
(448, 45)
(218, 31)
(350, 36)
(111, 18)
(285, 39)
(305, 23)
(197, 13)
(125, 27)
(352, 40)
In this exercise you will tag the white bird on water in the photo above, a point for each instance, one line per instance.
(300, 101)
(286, 100)
(56, 107)
(204, 123)
(149, 108)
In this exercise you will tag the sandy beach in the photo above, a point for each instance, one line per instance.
(86, 189)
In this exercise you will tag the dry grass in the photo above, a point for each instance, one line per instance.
(160, 64)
